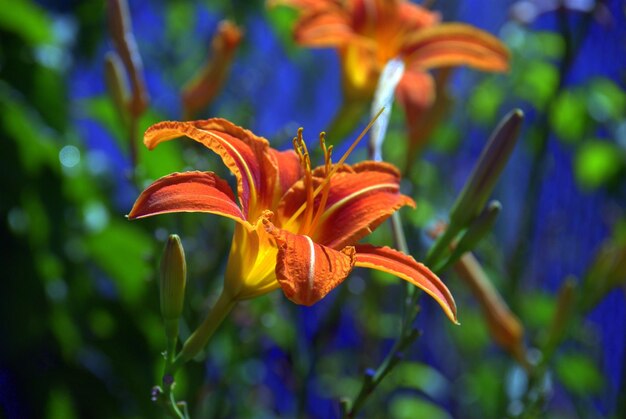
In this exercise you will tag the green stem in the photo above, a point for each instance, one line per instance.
(194, 344)
(200, 337)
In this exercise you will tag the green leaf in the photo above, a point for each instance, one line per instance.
(27, 20)
(548, 44)
(569, 117)
(537, 310)
(421, 377)
(407, 407)
(596, 163)
(485, 102)
(180, 16)
(537, 82)
(35, 144)
(473, 335)
(447, 137)
(579, 374)
(282, 20)
(422, 215)
(605, 100)
(120, 250)
(60, 404)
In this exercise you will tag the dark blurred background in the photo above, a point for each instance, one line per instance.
(80, 329)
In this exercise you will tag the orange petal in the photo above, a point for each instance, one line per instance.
(397, 263)
(308, 271)
(324, 27)
(424, 104)
(244, 153)
(452, 44)
(288, 171)
(415, 92)
(187, 192)
(360, 198)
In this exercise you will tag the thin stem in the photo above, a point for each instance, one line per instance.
(200, 337)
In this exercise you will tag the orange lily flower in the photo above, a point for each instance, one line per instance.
(369, 33)
(297, 226)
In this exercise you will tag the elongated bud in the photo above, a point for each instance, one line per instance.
(492, 160)
(504, 327)
(607, 272)
(562, 316)
(173, 279)
(121, 32)
(116, 82)
(477, 230)
(202, 88)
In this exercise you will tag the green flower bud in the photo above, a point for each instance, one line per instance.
(173, 279)
(116, 82)
(492, 160)
(478, 229)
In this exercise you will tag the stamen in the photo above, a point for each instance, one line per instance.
(334, 169)
(305, 161)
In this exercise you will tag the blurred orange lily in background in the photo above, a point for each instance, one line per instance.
(367, 34)
(297, 226)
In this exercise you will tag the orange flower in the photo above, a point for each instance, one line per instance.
(367, 34)
(297, 226)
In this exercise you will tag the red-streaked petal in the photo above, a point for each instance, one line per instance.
(425, 102)
(360, 198)
(187, 192)
(415, 92)
(397, 263)
(288, 170)
(308, 271)
(325, 28)
(244, 153)
(452, 44)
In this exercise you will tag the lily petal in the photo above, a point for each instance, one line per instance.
(424, 103)
(397, 263)
(242, 152)
(323, 28)
(308, 271)
(452, 44)
(360, 198)
(188, 192)
(288, 170)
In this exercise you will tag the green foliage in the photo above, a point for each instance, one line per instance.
(282, 20)
(537, 82)
(605, 100)
(28, 20)
(596, 163)
(537, 310)
(406, 407)
(121, 250)
(486, 101)
(568, 116)
(579, 374)
(421, 377)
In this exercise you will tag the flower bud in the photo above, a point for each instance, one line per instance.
(173, 279)
(607, 272)
(492, 160)
(504, 326)
(562, 316)
(202, 88)
(116, 82)
(121, 33)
